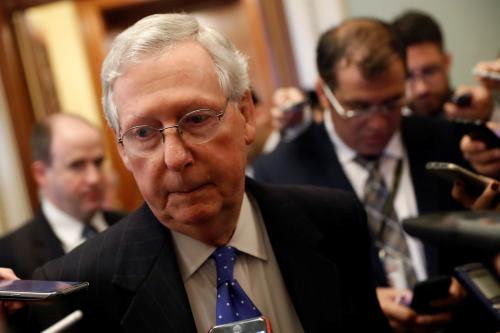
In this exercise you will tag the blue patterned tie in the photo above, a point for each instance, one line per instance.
(89, 231)
(233, 304)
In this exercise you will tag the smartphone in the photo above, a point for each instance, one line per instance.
(479, 131)
(474, 183)
(483, 286)
(426, 291)
(254, 325)
(462, 100)
(33, 290)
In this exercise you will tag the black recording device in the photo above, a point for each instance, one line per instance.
(462, 100)
(426, 291)
(479, 131)
(482, 286)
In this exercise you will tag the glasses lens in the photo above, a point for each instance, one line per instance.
(142, 140)
(199, 126)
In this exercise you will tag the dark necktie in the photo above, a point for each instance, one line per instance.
(88, 231)
(383, 220)
(233, 304)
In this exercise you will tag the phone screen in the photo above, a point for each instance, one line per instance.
(486, 283)
(37, 289)
(35, 285)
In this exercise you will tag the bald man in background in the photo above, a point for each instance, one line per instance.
(68, 156)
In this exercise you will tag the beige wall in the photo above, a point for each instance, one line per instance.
(14, 201)
(58, 24)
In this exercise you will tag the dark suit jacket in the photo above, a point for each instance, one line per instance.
(135, 284)
(311, 159)
(35, 243)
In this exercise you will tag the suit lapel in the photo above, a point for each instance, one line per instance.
(148, 268)
(45, 240)
(331, 172)
(296, 241)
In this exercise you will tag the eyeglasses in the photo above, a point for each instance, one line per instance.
(427, 74)
(196, 127)
(389, 107)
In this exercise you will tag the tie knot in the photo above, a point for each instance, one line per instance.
(369, 163)
(89, 231)
(225, 257)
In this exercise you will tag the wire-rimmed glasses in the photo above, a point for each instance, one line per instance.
(196, 127)
(389, 107)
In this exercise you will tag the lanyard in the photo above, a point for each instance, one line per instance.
(388, 206)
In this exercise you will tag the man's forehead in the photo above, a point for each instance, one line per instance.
(182, 74)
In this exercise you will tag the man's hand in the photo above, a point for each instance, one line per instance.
(283, 99)
(405, 320)
(9, 306)
(484, 201)
(481, 106)
(488, 67)
(485, 161)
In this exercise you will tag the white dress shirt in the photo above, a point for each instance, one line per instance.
(68, 229)
(256, 270)
(405, 202)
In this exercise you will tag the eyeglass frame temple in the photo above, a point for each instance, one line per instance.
(335, 102)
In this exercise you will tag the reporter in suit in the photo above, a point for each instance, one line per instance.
(177, 95)
(362, 85)
(68, 153)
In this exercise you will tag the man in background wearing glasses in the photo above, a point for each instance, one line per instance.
(177, 95)
(428, 64)
(365, 146)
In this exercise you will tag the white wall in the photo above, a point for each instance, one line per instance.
(471, 28)
(307, 19)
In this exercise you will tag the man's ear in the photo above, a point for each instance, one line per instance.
(321, 94)
(247, 110)
(39, 172)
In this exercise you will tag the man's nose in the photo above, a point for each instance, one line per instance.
(176, 154)
(93, 173)
(419, 86)
(378, 120)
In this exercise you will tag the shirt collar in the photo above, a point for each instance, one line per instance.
(247, 238)
(346, 154)
(67, 228)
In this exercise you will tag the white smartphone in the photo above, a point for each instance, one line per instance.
(33, 290)
(474, 183)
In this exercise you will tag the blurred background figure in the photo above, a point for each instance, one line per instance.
(428, 64)
(68, 156)
(488, 73)
(291, 112)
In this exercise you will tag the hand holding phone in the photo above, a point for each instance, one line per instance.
(426, 291)
(474, 183)
(462, 100)
(479, 131)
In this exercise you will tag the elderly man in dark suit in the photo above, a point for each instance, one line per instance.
(177, 96)
(68, 156)
(366, 147)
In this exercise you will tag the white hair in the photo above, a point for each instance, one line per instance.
(151, 35)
